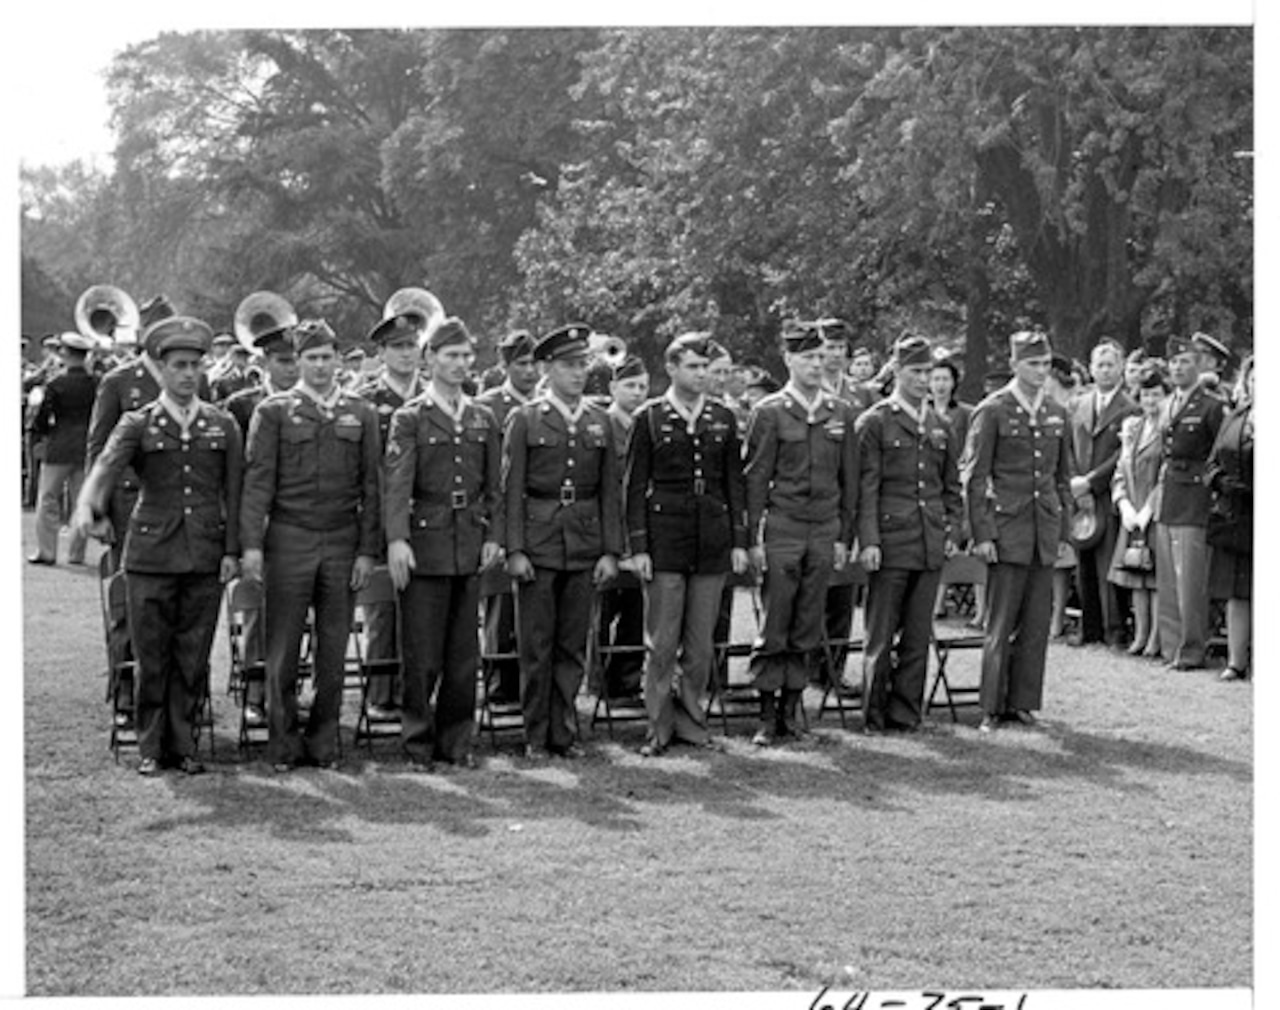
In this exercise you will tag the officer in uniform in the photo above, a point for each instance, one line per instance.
(182, 542)
(395, 384)
(802, 500)
(444, 523)
(1017, 470)
(520, 378)
(686, 520)
(62, 419)
(562, 489)
(910, 511)
(1191, 418)
(313, 470)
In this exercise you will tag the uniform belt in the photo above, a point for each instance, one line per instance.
(458, 499)
(698, 486)
(564, 495)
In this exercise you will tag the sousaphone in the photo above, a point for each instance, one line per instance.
(103, 311)
(417, 303)
(259, 313)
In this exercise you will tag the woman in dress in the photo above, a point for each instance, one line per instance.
(1134, 489)
(1229, 474)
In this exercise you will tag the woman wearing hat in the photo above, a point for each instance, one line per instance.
(1134, 490)
(1229, 475)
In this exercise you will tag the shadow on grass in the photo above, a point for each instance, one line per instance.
(611, 788)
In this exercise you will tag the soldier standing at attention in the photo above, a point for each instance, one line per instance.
(802, 501)
(564, 535)
(686, 511)
(182, 542)
(1017, 483)
(444, 523)
(909, 517)
(516, 389)
(1191, 418)
(312, 470)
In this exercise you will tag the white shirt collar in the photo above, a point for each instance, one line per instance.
(1032, 407)
(514, 393)
(689, 414)
(916, 414)
(810, 406)
(572, 417)
(182, 415)
(453, 413)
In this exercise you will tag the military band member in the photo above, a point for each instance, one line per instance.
(520, 379)
(802, 500)
(444, 523)
(182, 540)
(395, 384)
(686, 519)
(312, 470)
(1017, 469)
(1191, 418)
(622, 606)
(909, 518)
(281, 373)
(563, 518)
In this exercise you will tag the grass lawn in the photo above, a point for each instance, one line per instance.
(1110, 847)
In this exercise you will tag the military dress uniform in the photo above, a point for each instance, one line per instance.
(1189, 429)
(311, 504)
(1017, 471)
(686, 509)
(911, 508)
(802, 497)
(443, 468)
(184, 522)
(562, 497)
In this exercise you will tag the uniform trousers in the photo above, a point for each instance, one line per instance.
(124, 496)
(899, 605)
(1019, 608)
(1101, 616)
(441, 654)
(798, 566)
(680, 613)
(621, 624)
(554, 619)
(57, 479)
(306, 568)
(173, 619)
(1182, 591)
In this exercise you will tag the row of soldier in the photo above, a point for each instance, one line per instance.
(455, 496)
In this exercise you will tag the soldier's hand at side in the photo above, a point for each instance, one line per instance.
(251, 565)
(82, 521)
(839, 555)
(642, 565)
(400, 562)
(361, 570)
(870, 558)
(739, 561)
(228, 569)
(757, 558)
(606, 570)
(949, 548)
(519, 567)
(985, 551)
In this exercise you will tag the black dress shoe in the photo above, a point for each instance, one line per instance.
(570, 752)
(191, 766)
(652, 750)
(1231, 673)
(148, 767)
(40, 559)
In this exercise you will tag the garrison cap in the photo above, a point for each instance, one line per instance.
(354, 355)
(1206, 343)
(223, 338)
(697, 342)
(630, 367)
(833, 329)
(312, 333)
(801, 337)
(762, 380)
(406, 326)
(451, 331)
(152, 311)
(563, 342)
(178, 333)
(77, 341)
(912, 349)
(715, 350)
(515, 344)
(1027, 344)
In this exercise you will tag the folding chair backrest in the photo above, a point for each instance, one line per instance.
(379, 589)
(244, 596)
(964, 569)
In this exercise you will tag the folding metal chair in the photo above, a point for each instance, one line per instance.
(121, 667)
(380, 591)
(494, 716)
(247, 666)
(726, 699)
(600, 651)
(836, 651)
(967, 570)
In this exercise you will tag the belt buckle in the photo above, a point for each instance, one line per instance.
(457, 499)
(699, 485)
(568, 495)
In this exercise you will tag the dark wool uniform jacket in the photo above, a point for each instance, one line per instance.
(242, 404)
(562, 488)
(63, 415)
(1188, 438)
(909, 500)
(501, 402)
(311, 471)
(187, 515)
(685, 493)
(1017, 478)
(808, 472)
(441, 491)
(125, 388)
(386, 401)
